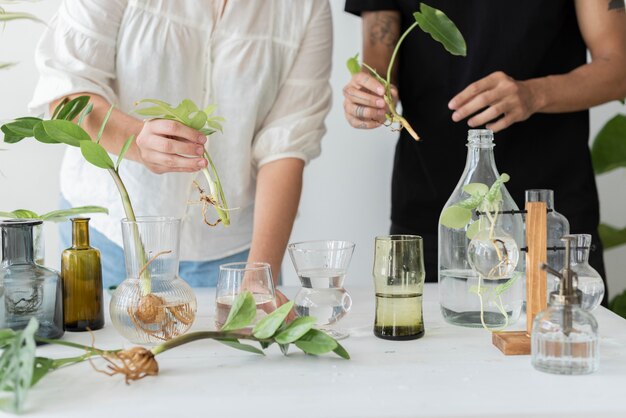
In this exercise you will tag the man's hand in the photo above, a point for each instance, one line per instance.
(364, 106)
(167, 146)
(496, 100)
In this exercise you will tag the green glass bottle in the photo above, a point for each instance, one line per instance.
(82, 281)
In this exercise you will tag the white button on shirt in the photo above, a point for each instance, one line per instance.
(265, 63)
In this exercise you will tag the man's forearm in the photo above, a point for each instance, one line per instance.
(119, 127)
(381, 31)
(279, 185)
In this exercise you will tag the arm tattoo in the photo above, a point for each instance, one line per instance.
(616, 5)
(385, 29)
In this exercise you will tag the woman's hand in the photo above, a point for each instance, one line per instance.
(364, 106)
(496, 100)
(167, 146)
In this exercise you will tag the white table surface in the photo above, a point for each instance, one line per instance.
(450, 372)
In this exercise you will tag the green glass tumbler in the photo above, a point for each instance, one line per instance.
(399, 282)
(82, 281)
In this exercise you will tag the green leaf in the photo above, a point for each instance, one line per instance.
(5, 65)
(73, 108)
(63, 214)
(341, 352)
(494, 194)
(472, 229)
(42, 136)
(476, 189)
(61, 131)
(441, 28)
(295, 330)
(17, 364)
(242, 312)
(104, 123)
(316, 342)
(42, 367)
(19, 129)
(84, 114)
(96, 155)
(7, 16)
(501, 288)
(618, 304)
(268, 325)
(198, 120)
(608, 151)
(58, 107)
(353, 65)
(123, 151)
(455, 217)
(210, 109)
(25, 214)
(611, 237)
(6, 336)
(234, 343)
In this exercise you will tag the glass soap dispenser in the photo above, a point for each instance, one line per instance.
(27, 290)
(82, 281)
(564, 337)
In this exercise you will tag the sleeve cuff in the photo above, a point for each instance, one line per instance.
(357, 6)
(271, 158)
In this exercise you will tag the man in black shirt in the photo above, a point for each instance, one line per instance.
(525, 77)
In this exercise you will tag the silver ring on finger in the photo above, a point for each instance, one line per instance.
(359, 112)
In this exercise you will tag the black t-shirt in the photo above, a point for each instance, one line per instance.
(524, 39)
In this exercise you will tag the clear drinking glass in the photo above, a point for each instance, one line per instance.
(153, 304)
(321, 267)
(235, 278)
(399, 281)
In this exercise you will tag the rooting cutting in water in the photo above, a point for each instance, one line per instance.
(20, 368)
(442, 29)
(492, 253)
(189, 114)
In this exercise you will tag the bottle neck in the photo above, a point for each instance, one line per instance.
(17, 245)
(480, 163)
(80, 232)
(541, 195)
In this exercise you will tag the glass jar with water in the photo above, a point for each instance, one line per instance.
(321, 267)
(481, 279)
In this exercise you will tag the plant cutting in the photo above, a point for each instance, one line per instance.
(60, 215)
(442, 30)
(20, 368)
(188, 113)
(492, 253)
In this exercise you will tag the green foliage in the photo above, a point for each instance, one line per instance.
(353, 65)
(295, 330)
(189, 114)
(481, 196)
(608, 151)
(17, 364)
(611, 236)
(61, 215)
(618, 304)
(441, 28)
(242, 312)
(268, 325)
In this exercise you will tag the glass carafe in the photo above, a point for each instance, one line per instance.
(558, 227)
(322, 267)
(466, 298)
(589, 280)
(153, 304)
(28, 290)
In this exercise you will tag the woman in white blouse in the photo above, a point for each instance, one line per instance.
(266, 64)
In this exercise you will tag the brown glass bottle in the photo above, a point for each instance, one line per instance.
(82, 281)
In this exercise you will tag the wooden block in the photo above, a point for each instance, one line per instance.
(516, 343)
(537, 242)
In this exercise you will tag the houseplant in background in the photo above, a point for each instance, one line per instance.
(608, 153)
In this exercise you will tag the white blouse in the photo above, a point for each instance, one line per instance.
(265, 63)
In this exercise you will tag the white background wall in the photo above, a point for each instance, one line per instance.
(347, 189)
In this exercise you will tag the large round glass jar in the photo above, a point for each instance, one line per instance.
(153, 304)
(467, 297)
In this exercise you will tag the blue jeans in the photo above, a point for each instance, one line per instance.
(195, 273)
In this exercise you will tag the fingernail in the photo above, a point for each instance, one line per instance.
(202, 139)
(380, 91)
(451, 105)
(202, 163)
(380, 103)
(199, 151)
(455, 116)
